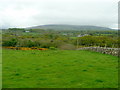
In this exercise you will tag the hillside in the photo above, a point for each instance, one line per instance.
(69, 27)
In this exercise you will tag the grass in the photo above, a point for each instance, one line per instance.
(0, 68)
(59, 69)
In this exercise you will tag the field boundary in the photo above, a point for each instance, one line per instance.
(104, 50)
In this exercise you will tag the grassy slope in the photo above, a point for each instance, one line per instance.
(61, 69)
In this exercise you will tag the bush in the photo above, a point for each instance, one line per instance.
(11, 42)
(28, 43)
(52, 48)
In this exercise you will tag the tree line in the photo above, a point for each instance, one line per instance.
(57, 41)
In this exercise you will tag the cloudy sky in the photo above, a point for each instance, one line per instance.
(26, 13)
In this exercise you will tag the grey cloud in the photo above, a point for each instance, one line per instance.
(24, 13)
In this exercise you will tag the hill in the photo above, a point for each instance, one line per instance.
(69, 27)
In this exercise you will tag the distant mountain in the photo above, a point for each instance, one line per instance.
(69, 27)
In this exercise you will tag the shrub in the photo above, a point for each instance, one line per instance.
(28, 43)
(52, 48)
(11, 42)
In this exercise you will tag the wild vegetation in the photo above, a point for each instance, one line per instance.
(59, 39)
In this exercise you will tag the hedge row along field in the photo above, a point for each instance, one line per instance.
(59, 69)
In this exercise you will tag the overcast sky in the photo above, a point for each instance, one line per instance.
(26, 13)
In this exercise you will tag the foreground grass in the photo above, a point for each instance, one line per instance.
(0, 68)
(59, 69)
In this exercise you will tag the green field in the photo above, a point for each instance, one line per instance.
(59, 69)
(0, 75)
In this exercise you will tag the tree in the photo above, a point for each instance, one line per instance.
(11, 42)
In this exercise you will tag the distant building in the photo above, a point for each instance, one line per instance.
(82, 35)
(64, 34)
(27, 31)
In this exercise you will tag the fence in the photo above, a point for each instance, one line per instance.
(111, 51)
